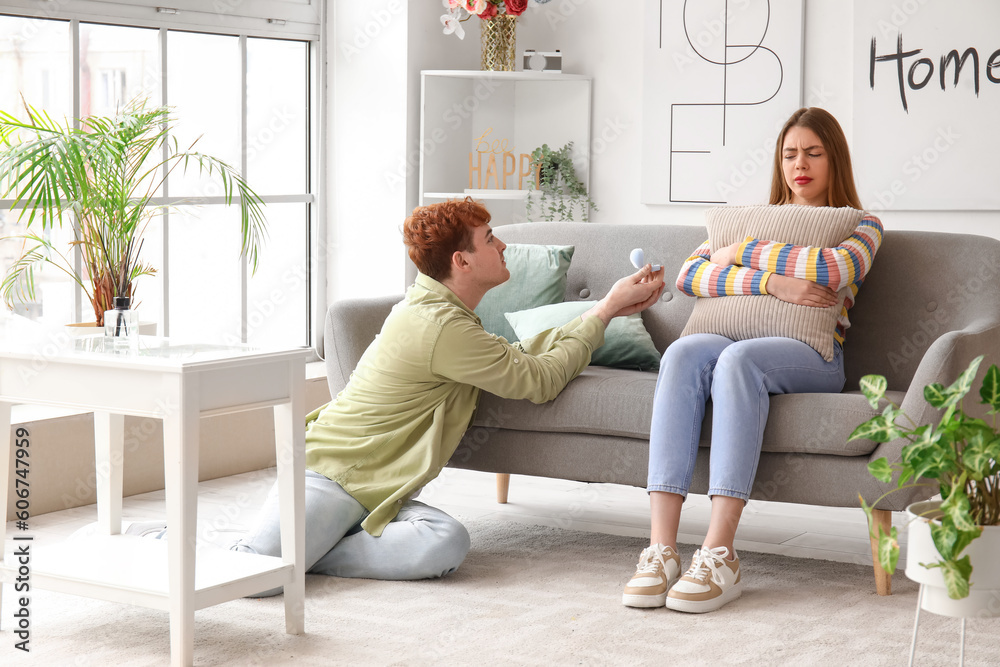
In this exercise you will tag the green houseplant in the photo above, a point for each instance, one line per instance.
(104, 175)
(561, 190)
(960, 456)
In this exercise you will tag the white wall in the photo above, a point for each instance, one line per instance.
(596, 39)
(367, 137)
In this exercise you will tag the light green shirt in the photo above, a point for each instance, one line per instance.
(414, 393)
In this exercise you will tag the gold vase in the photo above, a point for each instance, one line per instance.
(499, 42)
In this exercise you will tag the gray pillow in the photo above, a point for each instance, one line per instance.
(627, 344)
(537, 278)
(757, 316)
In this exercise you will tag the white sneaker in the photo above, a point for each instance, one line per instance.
(710, 582)
(156, 530)
(658, 569)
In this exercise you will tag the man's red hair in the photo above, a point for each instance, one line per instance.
(433, 233)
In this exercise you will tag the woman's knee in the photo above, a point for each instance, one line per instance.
(687, 346)
(694, 351)
(736, 360)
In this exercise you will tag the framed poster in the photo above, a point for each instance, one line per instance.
(720, 77)
(926, 104)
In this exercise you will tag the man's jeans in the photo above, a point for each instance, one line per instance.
(738, 377)
(420, 543)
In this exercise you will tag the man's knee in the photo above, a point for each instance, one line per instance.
(448, 551)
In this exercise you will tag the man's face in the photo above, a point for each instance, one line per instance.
(486, 257)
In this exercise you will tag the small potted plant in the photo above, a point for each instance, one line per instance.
(960, 456)
(104, 175)
(556, 180)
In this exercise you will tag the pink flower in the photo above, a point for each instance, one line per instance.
(489, 11)
(475, 6)
(516, 7)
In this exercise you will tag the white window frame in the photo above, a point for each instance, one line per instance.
(302, 20)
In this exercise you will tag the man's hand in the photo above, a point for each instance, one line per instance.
(725, 255)
(631, 294)
(800, 291)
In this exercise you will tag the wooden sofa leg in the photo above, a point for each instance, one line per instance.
(503, 485)
(883, 580)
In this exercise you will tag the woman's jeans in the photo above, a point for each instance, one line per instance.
(420, 543)
(738, 377)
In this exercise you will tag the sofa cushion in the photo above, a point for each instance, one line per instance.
(743, 317)
(626, 342)
(537, 278)
(601, 400)
(606, 401)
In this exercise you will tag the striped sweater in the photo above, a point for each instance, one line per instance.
(845, 265)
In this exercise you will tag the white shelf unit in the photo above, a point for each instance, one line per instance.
(527, 109)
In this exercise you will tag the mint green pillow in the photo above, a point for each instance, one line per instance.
(626, 342)
(537, 278)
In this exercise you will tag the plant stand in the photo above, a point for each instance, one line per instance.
(916, 625)
(984, 596)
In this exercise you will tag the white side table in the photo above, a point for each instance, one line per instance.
(178, 383)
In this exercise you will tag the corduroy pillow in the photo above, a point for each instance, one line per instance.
(758, 316)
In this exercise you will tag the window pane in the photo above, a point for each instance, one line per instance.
(204, 275)
(276, 116)
(147, 291)
(35, 64)
(203, 86)
(276, 308)
(117, 65)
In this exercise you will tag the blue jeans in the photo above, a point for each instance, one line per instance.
(420, 543)
(739, 378)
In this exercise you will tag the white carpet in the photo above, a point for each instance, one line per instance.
(526, 595)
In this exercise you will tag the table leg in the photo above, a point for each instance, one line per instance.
(289, 434)
(180, 467)
(5, 446)
(109, 452)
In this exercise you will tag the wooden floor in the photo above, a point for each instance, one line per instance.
(228, 506)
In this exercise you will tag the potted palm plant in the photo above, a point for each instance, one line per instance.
(103, 175)
(953, 542)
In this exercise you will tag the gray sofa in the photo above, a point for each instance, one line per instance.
(930, 305)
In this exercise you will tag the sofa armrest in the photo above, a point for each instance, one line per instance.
(943, 362)
(351, 325)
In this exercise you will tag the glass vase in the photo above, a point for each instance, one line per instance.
(498, 36)
(121, 326)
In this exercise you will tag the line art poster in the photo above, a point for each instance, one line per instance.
(720, 77)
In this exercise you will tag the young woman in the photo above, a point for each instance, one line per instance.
(812, 167)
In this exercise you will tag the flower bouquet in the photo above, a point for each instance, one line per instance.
(462, 10)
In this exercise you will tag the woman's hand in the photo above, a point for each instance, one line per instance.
(725, 255)
(800, 291)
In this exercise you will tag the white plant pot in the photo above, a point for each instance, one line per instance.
(984, 590)
(91, 328)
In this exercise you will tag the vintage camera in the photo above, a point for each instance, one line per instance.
(542, 61)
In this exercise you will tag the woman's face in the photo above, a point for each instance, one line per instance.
(805, 166)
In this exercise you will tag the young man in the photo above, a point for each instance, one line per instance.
(412, 396)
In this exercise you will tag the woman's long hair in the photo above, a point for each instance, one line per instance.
(841, 191)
